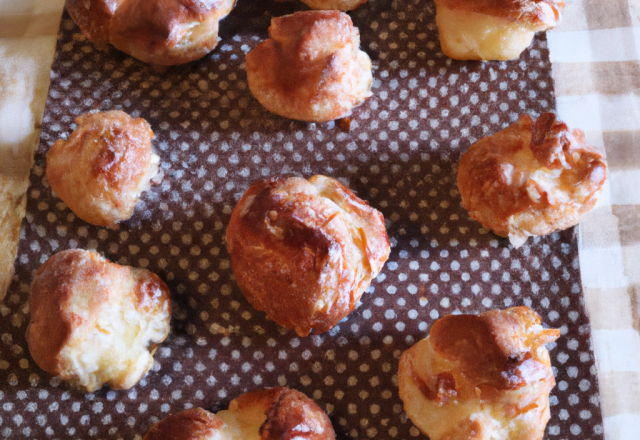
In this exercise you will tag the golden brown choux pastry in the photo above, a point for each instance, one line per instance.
(164, 32)
(305, 251)
(531, 178)
(339, 5)
(480, 377)
(104, 166)
(492, 29)
(269, 414)
(311, 68)
(94, 322)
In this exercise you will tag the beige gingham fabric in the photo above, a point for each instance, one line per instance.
(595, 55)
(596, 66)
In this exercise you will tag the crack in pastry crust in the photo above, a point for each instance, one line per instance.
(305, 251)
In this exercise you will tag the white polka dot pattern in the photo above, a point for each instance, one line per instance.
(214, 139)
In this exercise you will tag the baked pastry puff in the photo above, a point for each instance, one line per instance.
(164, 32)
(492, 29)
(484, 377)
(304, 251)
(311, 68)
(339, 5)
(94, 322)
(269, 414)
(104, 166)
(531, 178)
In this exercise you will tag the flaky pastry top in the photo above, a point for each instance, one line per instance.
(100, 171)
(480, 377)
(310, 68)
(305, 251)
(531, 178)
(496, 348)
(164, 32)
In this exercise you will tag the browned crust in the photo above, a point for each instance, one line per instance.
(102, 163)
(192, 424)
(496, 348)
(482, 182)
(54, 283)
(287, 414)
(154, 31)
(299, 72)
(340, 5)
(293, 415)
(290, 247)
(441, 388)
(492, 198)
(525, 10)
(66, 274)
(476, 377)
(93, 17)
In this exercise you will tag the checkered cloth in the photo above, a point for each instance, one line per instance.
(595, 54)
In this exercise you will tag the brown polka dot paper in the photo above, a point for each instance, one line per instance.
(399, 153)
